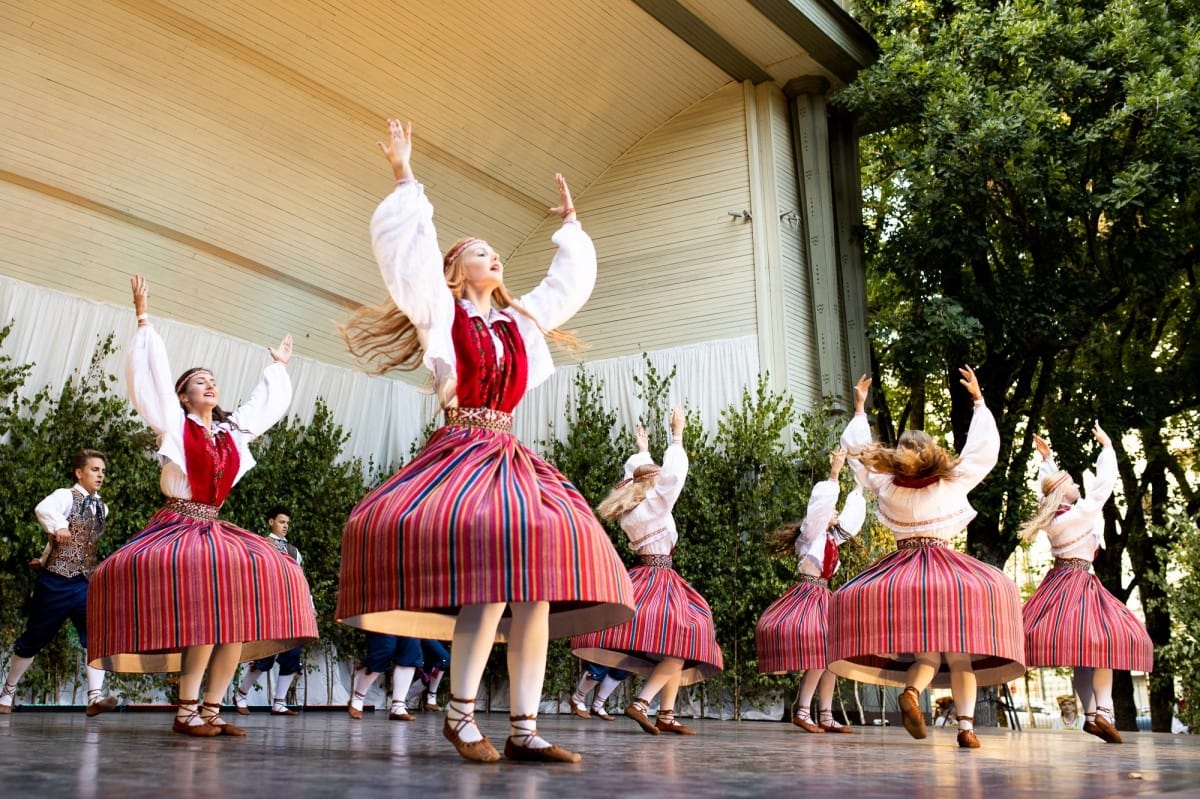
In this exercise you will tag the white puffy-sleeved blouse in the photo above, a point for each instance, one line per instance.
(406, 248)
(52, 511)
(152, 392)
(1077, 531)
(650, 526)
(941, 509)
(810, 544)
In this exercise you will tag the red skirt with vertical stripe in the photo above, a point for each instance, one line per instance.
(1072, 620)
(186, 581)
(670, 619)
(926, 599)
(790, 635)
(477, 518)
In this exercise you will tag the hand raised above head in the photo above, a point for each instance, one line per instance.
(1100, 435)
(141, 295)
(641, 439)
(861, 389)
(398, 148)
(1043, 448)
(283, 353)
(565, 208)
(970, 382)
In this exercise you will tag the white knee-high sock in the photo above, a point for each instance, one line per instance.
(607, 686)
(963, 686)
(586, 683)
(16, 671)
(249, 680)
(282, 684)
(1102, 686)
(402, 679)
(808, 687)
(362, 684)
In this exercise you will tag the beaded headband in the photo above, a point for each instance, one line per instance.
(456, 251)
(1059, 479)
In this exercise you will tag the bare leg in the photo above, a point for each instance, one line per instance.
(474, 633)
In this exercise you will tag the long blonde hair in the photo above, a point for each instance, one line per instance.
(628, 494)
(1054, 491)
(383, 336)
(916, 456)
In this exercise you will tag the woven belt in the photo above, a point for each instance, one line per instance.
(197, 510)
(918, 541)
(808, 578)
(658, 561)
(487, 418)
(1081, 564)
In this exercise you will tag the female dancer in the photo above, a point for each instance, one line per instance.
(191, 593)
(1071, 620)
(670, 640)
(897, 622)
(476, 523)
(791, 635)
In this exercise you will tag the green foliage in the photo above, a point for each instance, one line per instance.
(299, 466)
(42, 433)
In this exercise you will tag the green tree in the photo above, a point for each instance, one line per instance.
(1032, 193)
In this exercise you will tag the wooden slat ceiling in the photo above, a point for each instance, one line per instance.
(502, 93)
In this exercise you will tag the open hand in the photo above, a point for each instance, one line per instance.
(642, 440)
(970, 382)
(1101, 436)
(398, 148)
(283, 353)
(861, 389)
(1043, 448)
(565, 208)
(141, 294)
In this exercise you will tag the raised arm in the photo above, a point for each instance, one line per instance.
(675, 462)
(147, 370)
(858, 435)
(982, 449)
(271, 397)
(1106, 474)
(642, 456)
(406, 248)
(572, 273)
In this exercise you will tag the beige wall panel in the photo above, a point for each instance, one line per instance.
(63, 246)
(675, 268)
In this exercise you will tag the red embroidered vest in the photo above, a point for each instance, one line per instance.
(212, 463)
(482, 382)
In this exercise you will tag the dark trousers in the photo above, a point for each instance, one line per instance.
(55, 600)
(289, 662)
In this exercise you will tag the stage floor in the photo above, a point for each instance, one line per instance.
(327, 754)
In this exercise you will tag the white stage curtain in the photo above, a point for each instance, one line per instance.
(59, 333)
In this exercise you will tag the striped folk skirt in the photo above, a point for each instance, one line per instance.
(670, 619)
(477, 518)
(926, 599)
(790, 635)
(189, 581)
(1072, 620)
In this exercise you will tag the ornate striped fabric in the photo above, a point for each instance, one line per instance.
(790, 634)
(926, 599)
(477, 518)
(670, 619)
(186, 581)
(1072, 620)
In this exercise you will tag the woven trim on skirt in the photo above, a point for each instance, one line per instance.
(477, 518)
(187, 581)
(670, 619)
(1072, 620)
(791, 634)
(926, 599)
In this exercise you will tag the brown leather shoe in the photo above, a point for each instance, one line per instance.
(547, 754)
(286, 711)
(967, 739)
(910, 713)
(806, 724)
(354, 712)
(101, 706)
(405, 716)
(480, 751)
(673, 726)
(1103, 729)
(195, 730)
(842, 728)
(602, 714)
(5, 709)
(242, 710)
(640, 717)
(211, 713)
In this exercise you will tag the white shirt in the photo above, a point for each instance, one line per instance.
(52, 511)
(650, 526)
(152, 392)
(406, 248)
(941, 509)
(810, 544)
(1077, 532)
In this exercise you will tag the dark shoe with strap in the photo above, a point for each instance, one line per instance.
(1103, 729)
(547, 754)
(355, 712)
(184, 726)
(910, 712)
(480, 751)
(101, 706)
(673, 726)
(806, 724)
(211, 713)
(640, 717)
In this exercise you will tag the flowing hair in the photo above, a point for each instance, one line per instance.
(916, 457)
(385, 338)
(782, 541)
(1054, 490)
(627, 494)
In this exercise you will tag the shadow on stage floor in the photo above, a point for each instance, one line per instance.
(327, 754)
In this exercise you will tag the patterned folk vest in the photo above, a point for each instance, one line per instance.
(285, 548)
(77, 556)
